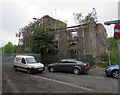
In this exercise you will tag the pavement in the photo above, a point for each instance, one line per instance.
(97, 69)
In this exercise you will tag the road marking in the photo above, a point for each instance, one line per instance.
(93, 77)
(65, 83)
(8, 81)
(14, 90)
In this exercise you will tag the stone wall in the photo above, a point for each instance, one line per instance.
(91, 39)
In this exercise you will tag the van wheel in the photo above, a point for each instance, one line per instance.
(29, 71)
(15, 68)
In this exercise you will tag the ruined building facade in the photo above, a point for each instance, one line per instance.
(90, 39)
(75, 40)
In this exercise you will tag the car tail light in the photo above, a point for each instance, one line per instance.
(86, 65)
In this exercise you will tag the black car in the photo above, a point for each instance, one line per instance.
(69, 65)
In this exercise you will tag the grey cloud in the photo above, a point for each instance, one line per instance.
(10, 17)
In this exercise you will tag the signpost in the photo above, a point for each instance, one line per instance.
(117, 31)
(116, 34)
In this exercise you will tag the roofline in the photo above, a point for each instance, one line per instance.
(47, 16)
(77, 26)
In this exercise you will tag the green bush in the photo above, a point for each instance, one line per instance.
(103, 61)
(102, 65)
(113, 57)
(104, 57)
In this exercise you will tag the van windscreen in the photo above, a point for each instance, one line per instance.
(31, 60)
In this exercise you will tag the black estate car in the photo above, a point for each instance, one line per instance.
(69, 65)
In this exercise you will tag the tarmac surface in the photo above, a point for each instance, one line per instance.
(95, 81)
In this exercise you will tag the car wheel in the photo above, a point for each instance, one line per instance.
(15, 68)
(76, 71)
(115, 74)
(51, 69)
(29, 71)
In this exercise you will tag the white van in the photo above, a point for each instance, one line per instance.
(28, 64)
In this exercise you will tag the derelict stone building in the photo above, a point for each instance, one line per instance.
(45, 21)
(74, 40)
(89, 39)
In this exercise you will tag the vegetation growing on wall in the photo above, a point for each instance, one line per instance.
(90, 18)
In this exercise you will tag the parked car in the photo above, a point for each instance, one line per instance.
(69, 65)
(112, 71)
(28, 64)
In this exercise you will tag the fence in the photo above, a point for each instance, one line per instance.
(8, 58)
(48, 59)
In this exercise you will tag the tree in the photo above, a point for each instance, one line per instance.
(42, 41)
(113, 52)
(78, 17)
(8, 48)
(112, 42)
(15, 48)
(90, 18)
(0, 49)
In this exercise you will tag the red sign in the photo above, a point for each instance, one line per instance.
(117, 31)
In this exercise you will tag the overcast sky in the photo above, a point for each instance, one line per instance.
(15, 14)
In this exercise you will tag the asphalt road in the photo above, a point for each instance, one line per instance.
(94, 81)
